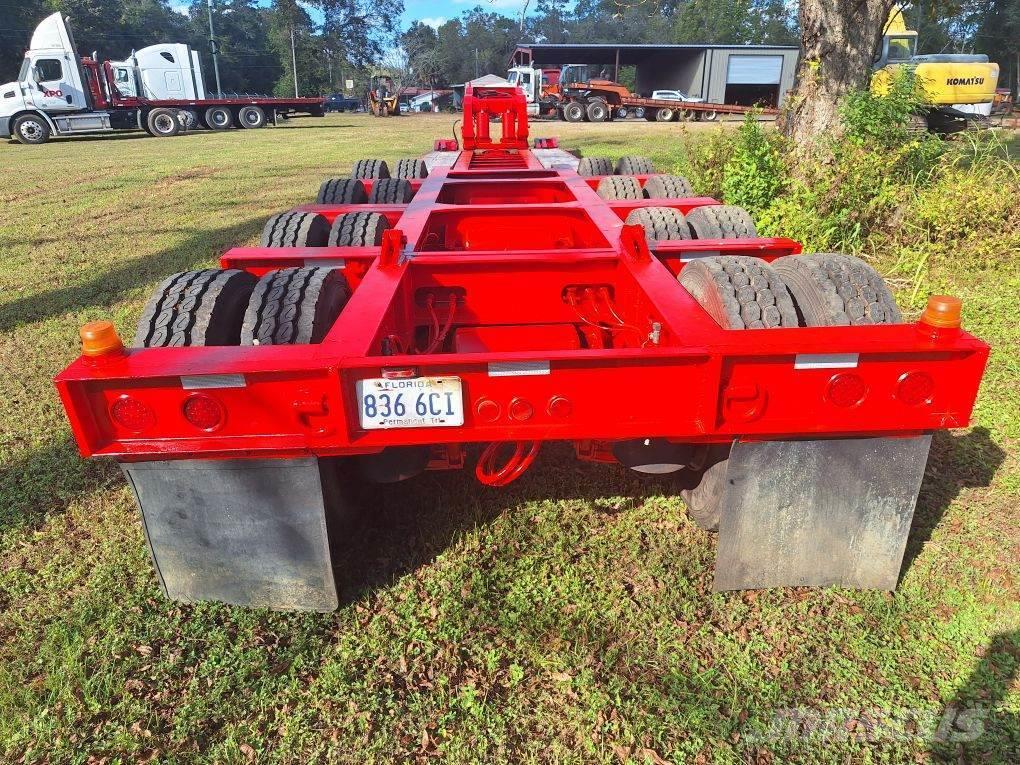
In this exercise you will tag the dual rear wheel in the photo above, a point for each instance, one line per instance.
(819, 290)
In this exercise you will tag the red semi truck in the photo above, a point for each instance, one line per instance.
(491, 298)
(59, 93)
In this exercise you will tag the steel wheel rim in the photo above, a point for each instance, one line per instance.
(30, 129)
(163, 123)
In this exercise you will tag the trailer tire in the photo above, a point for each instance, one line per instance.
(639, 112)
(592, 166)
(370, 168)
(358, 229)
(660, 223)
(574, 112)
(251, 117)
(294, 306)
(163, 123)
(411, 168)
(704, 501)
(830, 289)
(218, 118)
(30, 129)
(740, 292)
(634, 166)
(597, 110)
(667, 187)
(619, 187)
(341, 191)
(721, 222)
(295, 229)
(665, 114)
(389, 191)
(709, 116)
(196, 308)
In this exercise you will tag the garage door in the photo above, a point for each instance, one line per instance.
(754, 70)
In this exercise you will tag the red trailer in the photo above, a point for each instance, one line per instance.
(472, 308)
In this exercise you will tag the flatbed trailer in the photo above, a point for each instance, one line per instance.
(59, 93)
(483, 302)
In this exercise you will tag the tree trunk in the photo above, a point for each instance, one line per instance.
(839, 41)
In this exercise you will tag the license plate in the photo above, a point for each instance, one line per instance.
(417, 402)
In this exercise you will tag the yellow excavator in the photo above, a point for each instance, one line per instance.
(959, 88)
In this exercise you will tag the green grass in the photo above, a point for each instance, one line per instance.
(567, 618)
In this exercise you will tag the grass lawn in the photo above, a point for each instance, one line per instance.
(567, 618)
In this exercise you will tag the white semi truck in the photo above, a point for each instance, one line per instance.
(160, 90)
(161, 72)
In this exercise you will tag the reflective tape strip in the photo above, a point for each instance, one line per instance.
(202, 382)
(687, 257)
(325, 262)
(825, 361)
(518, 368)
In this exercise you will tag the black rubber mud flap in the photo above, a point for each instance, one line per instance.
(818, 513)
(244, 532)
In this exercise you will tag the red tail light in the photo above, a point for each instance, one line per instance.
(132, 414)
(915, 388)
(204, 412)
(846, 390)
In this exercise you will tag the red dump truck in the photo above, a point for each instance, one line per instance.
(463, 310)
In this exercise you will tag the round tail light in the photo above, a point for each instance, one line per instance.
(846, 390)
(204, 412)
(915, 388)
(132, 414)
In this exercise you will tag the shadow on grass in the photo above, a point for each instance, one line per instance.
(106, 288)
(955, 462)
(976, 726)
(405, 526)
(41, 482)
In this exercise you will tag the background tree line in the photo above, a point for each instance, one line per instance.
(481, 41)
(346, 37)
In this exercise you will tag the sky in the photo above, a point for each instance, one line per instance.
(435, 13)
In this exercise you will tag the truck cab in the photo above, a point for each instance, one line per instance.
(50, 81)
(163, 72)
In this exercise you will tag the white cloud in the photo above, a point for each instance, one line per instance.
(181, 8)
(433, 21)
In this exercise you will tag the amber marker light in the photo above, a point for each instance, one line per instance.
(943, 312)
(100, 338)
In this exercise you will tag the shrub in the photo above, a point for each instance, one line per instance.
(754, 175)
(702, 160)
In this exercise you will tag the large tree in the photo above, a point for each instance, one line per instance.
(839, 41)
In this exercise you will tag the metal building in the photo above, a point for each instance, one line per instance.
(731, 74)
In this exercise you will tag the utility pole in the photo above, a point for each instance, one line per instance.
(215, 52)
(293, 60)
(476, 63)
(329, 68)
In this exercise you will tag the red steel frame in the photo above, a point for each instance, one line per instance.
(511, 239)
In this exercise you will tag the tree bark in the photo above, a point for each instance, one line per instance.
(839, 41)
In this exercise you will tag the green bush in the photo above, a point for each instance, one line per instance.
(912, 203)
(754, 175)
(885, 120)
(702, 160)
